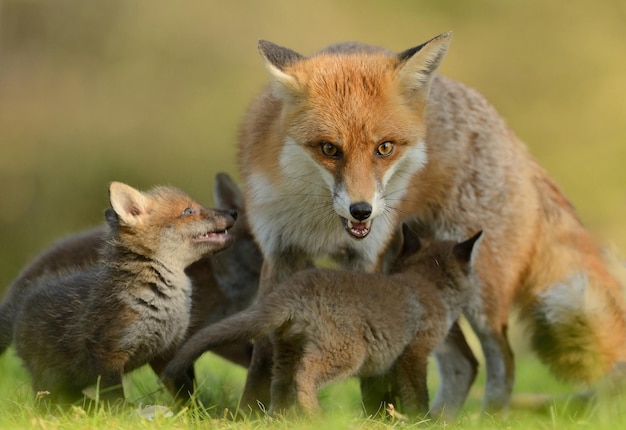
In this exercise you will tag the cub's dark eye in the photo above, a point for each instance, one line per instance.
(385, 149)
(330, 150)
(189, 211)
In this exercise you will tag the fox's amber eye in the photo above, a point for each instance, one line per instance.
(385, 149)
(330, 150)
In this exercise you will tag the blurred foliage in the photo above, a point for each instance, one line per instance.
(153, 92)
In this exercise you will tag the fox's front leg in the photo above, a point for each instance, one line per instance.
(275, 270)
(499, 363)
(457, 367)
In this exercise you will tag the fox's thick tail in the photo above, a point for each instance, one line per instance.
(256, 321)
(580, 327)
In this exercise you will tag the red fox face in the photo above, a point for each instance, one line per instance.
(354, 119)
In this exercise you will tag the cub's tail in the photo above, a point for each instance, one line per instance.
(6, 325)
(13, 298)
(258, 320)
(79, 251)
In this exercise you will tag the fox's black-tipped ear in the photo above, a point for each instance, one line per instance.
(464, 251)
(417, 66)
(226, 193)
(278, 56)
(410, 241)
(277, 59)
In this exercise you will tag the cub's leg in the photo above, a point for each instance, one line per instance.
(258, 382)
(110, 388)
(286, 357)
(412, 373)
(52, 386)
(182, 388)
(378, 391)
(321, 364)
(109, 366)
(256, 392)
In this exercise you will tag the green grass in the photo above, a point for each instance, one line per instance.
(98, 91)
(220, 384)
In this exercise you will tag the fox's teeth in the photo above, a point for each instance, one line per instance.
(367, 223)
(358, 229)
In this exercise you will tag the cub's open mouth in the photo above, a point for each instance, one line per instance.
(219, 237)
(358, 230)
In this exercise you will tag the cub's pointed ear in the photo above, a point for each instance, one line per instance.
(417, 66)
(277, 59)
(465, 252)
(226, 193)
(128, 203)
(410, 241)
(111, 218)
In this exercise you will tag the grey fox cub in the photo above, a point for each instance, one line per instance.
(327, 324)
(222, 284)
(96, 324)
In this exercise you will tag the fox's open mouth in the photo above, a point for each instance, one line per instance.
(358, 230)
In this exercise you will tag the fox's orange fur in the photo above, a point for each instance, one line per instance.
(344, 145)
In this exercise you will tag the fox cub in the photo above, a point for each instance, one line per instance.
(222, 283)
(93, 325)
(327, 325)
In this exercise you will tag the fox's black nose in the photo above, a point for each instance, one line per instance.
(233, 213)
(361, 210)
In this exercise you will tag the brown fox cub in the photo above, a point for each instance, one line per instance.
(222, 284)
(328, 324)
(344, 145)
(133, 305)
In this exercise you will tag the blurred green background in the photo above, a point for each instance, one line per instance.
(152, 92)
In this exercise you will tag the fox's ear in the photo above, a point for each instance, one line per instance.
(417, 66)
(277, 59)
(111, 218)
(410, 241)
(226, 193)
(465, 252)
(128, 203)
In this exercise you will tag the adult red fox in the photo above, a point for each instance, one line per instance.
(344, 145)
